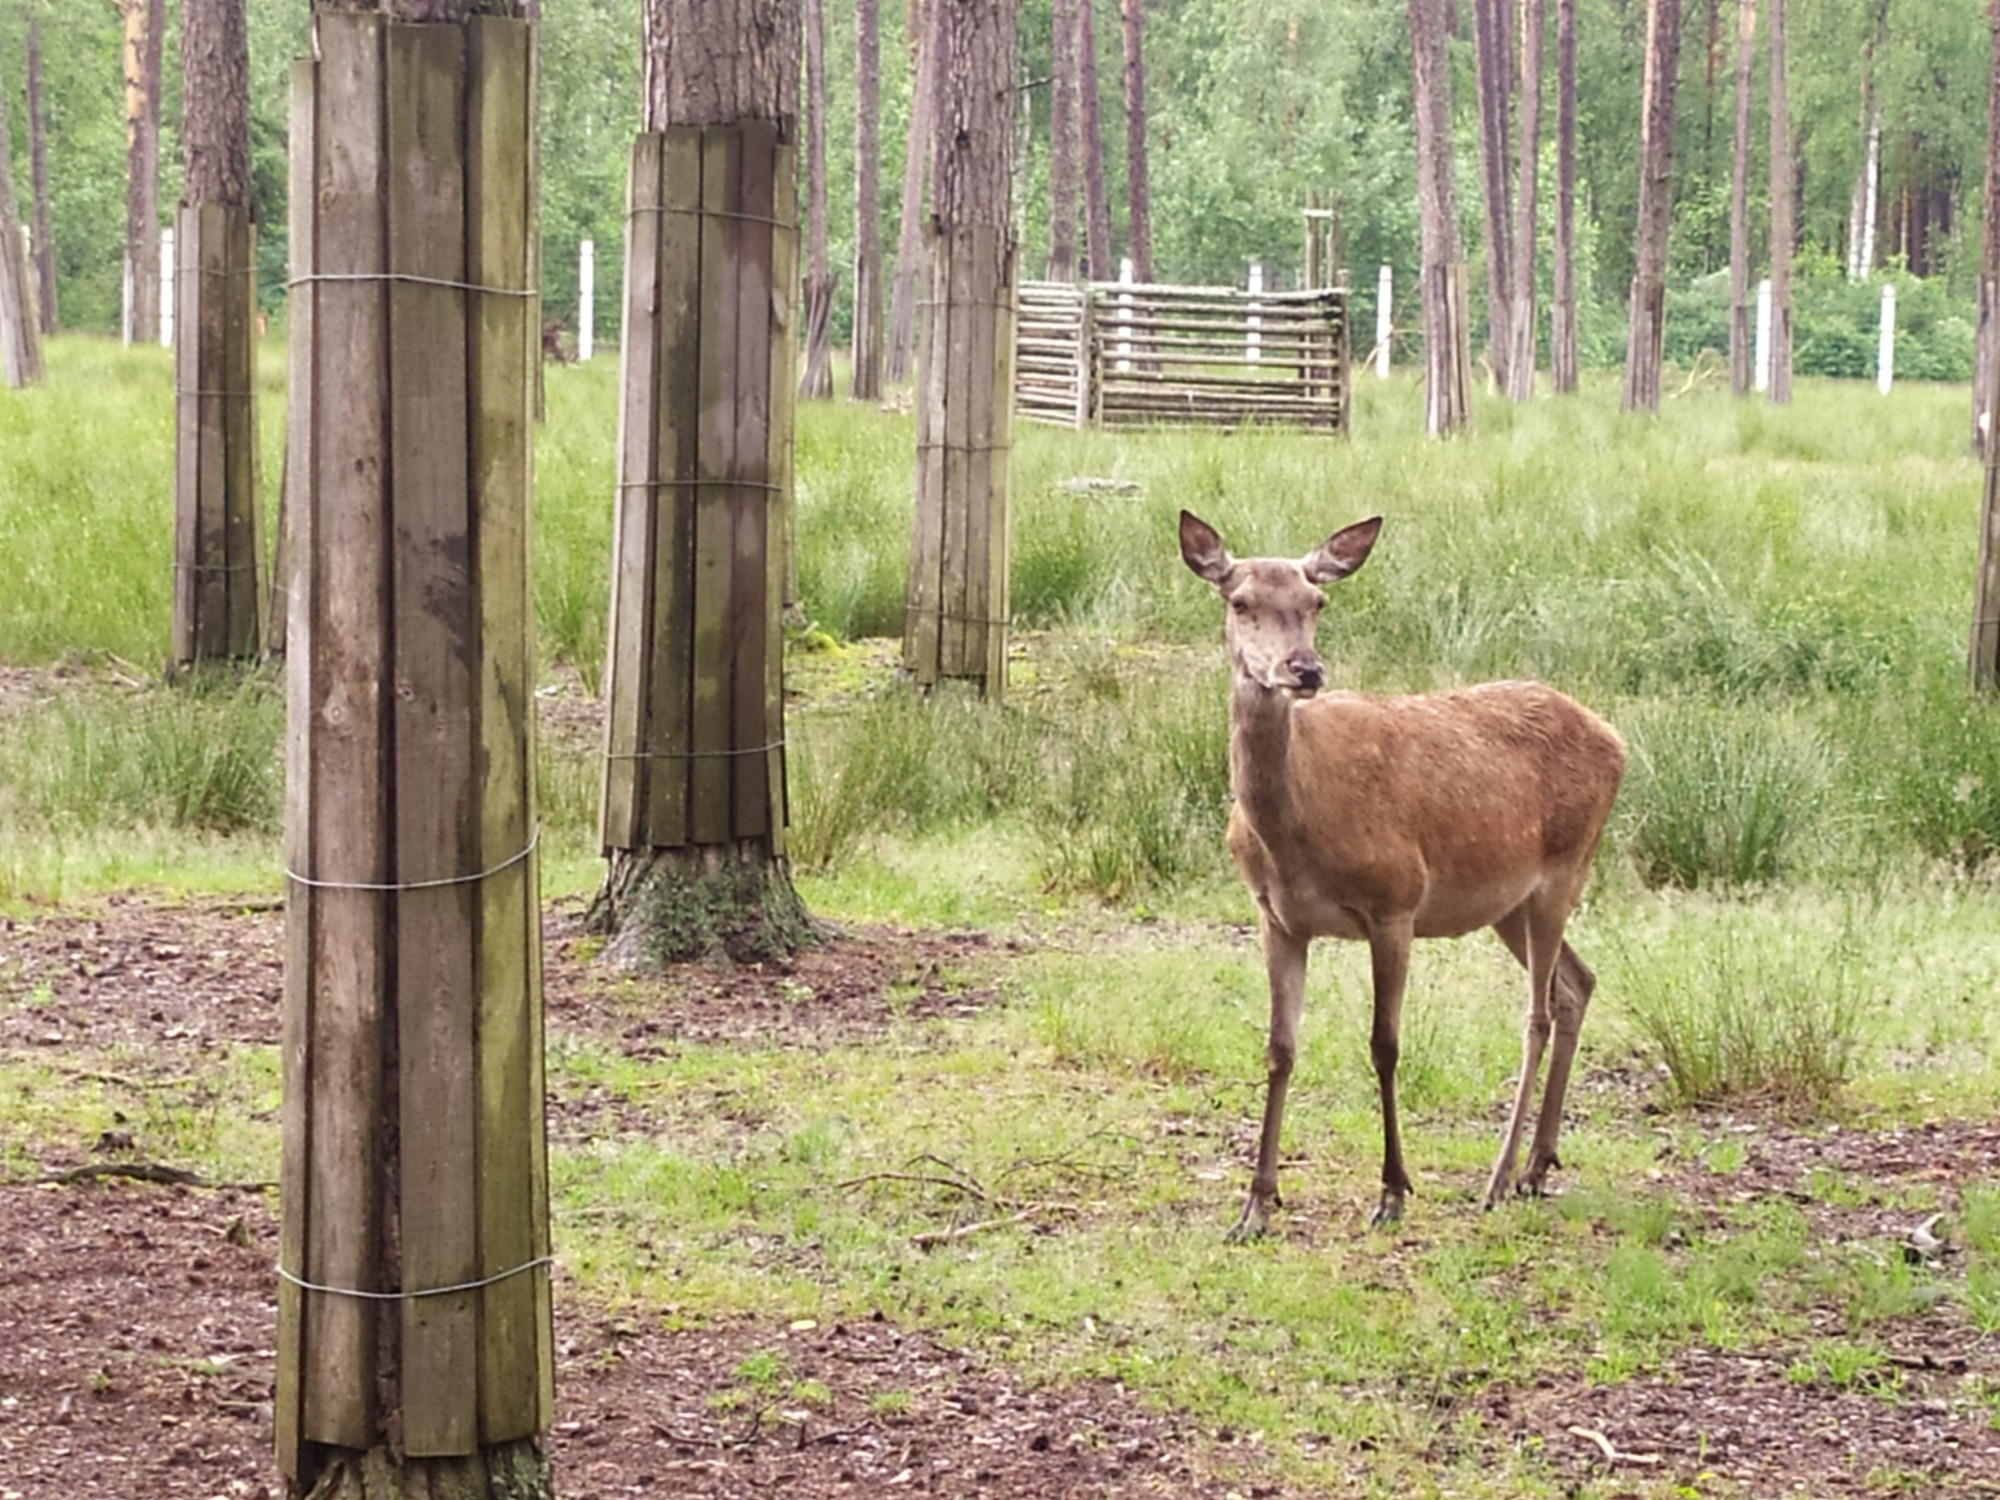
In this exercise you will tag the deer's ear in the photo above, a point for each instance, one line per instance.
(1344, 551)
(1202, 549)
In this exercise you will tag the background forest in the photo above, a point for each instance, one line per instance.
(1253, 103)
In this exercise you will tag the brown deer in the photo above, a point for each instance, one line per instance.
(1388, 819)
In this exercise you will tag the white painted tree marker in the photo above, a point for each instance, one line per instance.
(1253, 341)
(586, 300)
(1885, 351)
(1125, 315)
(1385, 291)
(1763, 364)
(166, 287)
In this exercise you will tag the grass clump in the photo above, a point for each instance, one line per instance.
(1939, 757)
(1780, 1020)
(1717, 798)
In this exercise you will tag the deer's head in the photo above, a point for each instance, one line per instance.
(1274, 602)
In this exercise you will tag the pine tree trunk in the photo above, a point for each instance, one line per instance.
(693, 807)
(1096, 206)
(816, 378)
(1646, 328)
(1562, 323)
(145, 26)
(1065, 141)
(1139, 194)
(20, 330)
(1521, 355)
(867, 201)
(1986, 347)
(1782, 184)
(1741, 350)
(1447, 362)
(38, 168)
(1489, 29)
(916, 173)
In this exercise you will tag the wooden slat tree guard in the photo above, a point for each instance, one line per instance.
(695, 724)
(219, 598)
(1110, 354)
(414, 1152)
(956, 605)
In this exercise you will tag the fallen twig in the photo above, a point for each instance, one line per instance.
(1611, 1454)
(971, 1190)
(932, 1237)
(147, 1171)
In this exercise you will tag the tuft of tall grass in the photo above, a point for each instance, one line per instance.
(202, 759)
(1937, 755)
(1719, 798)
(1781, 1019)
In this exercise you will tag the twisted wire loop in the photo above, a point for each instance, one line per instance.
(408, 280)
(418, 885)
(429, 1291)
(692, 754)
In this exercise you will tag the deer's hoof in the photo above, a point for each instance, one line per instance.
(1389, 1212)
(1255, 1222)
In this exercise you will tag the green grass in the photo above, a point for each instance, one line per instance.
(1794, 905)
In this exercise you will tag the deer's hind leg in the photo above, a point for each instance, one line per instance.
(1537, 943)
(1574, 985)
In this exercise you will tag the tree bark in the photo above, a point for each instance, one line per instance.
(695, 843)
(1521, 354)
(215, 103)
(1489, 29)
(1065, 141)
(145, 26)
(916, 173)
(1782, 183)
(1986, 356)
(1646, 326)
(20, 330)
(816, 379)
(1102, 266)
(1447, 362)
(38, 168)
(867, 201)
(1139, 191)
(1741, 350)
(1562, 323)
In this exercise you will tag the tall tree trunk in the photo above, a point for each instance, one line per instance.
(1521, 356)
(1096, 206)
(916, 172)
(1782, 185)
(1986, 356)
(816, 378)
(1741, 350)
(693, 809)
(414, 1158)
(956, 602)
(1139, 192)
(1447, 340)
(1490, 76)
(1562, 324)
(867, 201)
(1646, 326)
(1065, 141)
(145, 27)
(219, 602)
(38, 168)
(20, 330)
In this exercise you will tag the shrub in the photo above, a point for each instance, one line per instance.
(1940, 759)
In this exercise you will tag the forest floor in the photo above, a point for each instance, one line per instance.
(139, 1315)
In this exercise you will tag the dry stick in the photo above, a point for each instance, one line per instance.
(147, 1171)
(970, 1190)
(939, 1236)
(1613, 1455)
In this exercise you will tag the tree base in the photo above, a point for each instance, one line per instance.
(508, 1471)
(667, 906)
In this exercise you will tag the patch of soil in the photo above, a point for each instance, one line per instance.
(150, 982)
(1745, 1420)
(139, 1325)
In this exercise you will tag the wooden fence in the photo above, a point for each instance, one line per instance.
(1111, 354)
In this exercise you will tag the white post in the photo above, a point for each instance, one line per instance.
(1253, 341)
(1763, 365)
(1885, 352)
(166, 286)
(586, 300)
(1125, 315)
(1385, 289)
(125, 324)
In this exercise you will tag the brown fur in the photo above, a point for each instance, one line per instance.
(1388, 819)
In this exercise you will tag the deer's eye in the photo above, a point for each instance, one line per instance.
(1318, 605)
(1239, 606)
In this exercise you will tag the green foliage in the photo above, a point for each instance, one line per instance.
(1938, 754)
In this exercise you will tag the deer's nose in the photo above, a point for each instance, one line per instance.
(1309, 672)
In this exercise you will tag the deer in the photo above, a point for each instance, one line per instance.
(1386, 819)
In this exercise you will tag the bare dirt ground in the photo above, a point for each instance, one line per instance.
(137, 1318)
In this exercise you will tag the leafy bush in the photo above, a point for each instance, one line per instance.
(1836, 324)
(1718, 799)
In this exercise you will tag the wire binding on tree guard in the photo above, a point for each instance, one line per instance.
(728, 484)
(181, 390)
(790, 226)
(956, 619)
(188, 567)
(433, 1291)
(418, 885)
(691, 754)
(408, 280)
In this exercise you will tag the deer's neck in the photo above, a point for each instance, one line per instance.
(1260, 750)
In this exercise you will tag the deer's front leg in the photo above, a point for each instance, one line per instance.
(1389, 948)
(1285, 959)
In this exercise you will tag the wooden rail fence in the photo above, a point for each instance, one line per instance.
(1112, 354)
